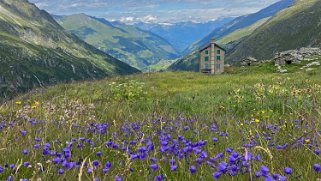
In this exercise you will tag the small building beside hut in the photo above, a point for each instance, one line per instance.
(212, 58)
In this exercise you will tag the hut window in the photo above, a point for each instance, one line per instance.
(206, 66)
(206, 52)
(218, 51)
(218, 58)
(206, 59)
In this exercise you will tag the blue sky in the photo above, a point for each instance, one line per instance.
(155, 11)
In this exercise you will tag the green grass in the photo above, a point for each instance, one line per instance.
(240, 33)
(242, 103)
(160, 66)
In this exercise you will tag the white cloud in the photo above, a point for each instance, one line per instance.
(148, 19)
(129, 19)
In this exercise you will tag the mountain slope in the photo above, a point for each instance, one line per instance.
(189, 62)
(182, 34)
(295, 27)
(240, 33)
(127, 43)
(241, 22)
(35, 51)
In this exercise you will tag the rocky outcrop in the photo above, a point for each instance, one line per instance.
(295, 56)
(249, 61)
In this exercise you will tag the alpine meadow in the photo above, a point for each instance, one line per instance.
(160, 90)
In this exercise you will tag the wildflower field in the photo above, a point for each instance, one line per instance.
(166, 126)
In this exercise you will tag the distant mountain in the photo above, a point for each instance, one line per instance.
(182, 34)
(36, 51)
(241, 22)
(230, 35)
(295, 27)
(127, 43)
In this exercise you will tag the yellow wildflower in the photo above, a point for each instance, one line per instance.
(257, 120)
(33, 107)
(307, 141)
(36, 103)
(18, 102)
(241, 124)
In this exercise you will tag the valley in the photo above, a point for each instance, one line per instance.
(131, 45)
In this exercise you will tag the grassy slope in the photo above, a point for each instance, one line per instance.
(294, 27)
(36, 51)
(160, 66)
(231, 100)
(241, 33)
(127, 43)
(189, 62)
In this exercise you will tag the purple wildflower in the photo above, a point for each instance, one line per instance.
(61, 171)
(214, 139)
(9, 178)
(158, 178)
(282, 178)
(23, 132)
(258, 174)
(222, 167)
(108, 165)
(154, 166)
(117, 178)
(192, 169)
(26, 164)
(95, 163)
(288, 170)
(99, 153)
(264, 170)
(276, 176)
(12, 166)
(317, 167)
(90, 170)
(56, 160)
(25, 152)
(173, 167)
(216, 175)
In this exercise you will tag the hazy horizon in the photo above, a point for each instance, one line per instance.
(158, 11)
